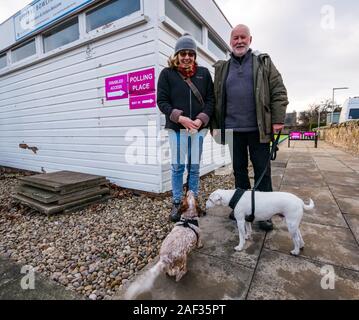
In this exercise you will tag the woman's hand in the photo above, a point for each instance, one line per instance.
(198, 123)
(187, 123)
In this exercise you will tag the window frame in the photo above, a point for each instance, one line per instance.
(115, 22)
(127, 22)
(212, 38)
(4, 54)
(20, 45)
(58, 26)
(191, 16)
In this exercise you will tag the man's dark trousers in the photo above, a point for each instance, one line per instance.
(259, 154)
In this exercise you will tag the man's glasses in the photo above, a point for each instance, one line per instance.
(183, 54)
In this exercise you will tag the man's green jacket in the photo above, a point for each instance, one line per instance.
(270, 95)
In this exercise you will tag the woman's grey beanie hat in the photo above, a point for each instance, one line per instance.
(186, 42)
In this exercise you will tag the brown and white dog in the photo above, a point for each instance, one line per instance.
(183, 238)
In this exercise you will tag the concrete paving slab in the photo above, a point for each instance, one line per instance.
(353, 221)
(354, 165)
(347, 191)
(326, 244)
(279, 164)
(326, 210)
(208, 278)
(341, 178)
(331, 165)
(306, 164)
(10, 286)
(299, 158)
(303, 177)
(220, 236)
(283, 277)
(348, 205)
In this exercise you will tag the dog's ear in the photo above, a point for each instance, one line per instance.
(184, 205)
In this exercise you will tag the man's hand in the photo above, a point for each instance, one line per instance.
(277, 127)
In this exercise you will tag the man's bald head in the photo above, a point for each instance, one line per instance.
(241, 27)
(241, 39)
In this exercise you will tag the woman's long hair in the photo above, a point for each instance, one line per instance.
(173, 61)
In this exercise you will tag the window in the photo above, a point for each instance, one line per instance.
(216, 48)
(24, 51)
(353, 114)
(183, 19)
(61, 35)
(109, 12)
(3, 61)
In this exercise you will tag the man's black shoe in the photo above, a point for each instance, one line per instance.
(175, 215)
(266, 225)
(231, 215)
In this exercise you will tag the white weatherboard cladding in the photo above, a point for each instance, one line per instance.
(58, 105)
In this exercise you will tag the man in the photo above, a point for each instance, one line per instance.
(251, 100)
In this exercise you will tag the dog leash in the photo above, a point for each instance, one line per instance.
(272, 156)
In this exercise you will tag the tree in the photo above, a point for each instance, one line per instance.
(308, 119)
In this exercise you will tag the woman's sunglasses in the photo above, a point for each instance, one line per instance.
(191, 54)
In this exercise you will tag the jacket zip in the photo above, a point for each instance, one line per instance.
(190, 104)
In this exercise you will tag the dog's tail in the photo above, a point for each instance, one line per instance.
(308, 206)
(144, 282)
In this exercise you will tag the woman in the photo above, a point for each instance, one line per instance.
(187, 114)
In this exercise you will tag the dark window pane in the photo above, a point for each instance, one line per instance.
(178, 14)
(110, 11)
(216, 48)
(24, 51)
(353, 114)
(61, 35)
(3, 61)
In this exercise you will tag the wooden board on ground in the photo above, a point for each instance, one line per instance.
(52, 209)
(45, 196)
(63, 181)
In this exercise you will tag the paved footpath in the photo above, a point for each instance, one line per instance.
(265, 269)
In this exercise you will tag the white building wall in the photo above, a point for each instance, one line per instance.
(56, 103)
(59, 107)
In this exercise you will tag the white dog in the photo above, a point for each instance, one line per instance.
(267, 204)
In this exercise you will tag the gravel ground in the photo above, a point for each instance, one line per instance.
(96, 250)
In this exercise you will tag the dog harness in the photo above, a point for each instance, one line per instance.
(239, 192)
(186, 224)
(236, 197)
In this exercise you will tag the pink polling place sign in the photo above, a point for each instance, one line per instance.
(143, 101)
(116, 87)
(142, 82)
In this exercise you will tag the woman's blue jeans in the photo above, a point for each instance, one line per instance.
(184, 145)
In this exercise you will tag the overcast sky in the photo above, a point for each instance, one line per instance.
(313, 43)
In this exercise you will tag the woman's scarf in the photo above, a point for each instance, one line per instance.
(189, 71)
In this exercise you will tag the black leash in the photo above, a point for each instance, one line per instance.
(272, 156)
(189, 149)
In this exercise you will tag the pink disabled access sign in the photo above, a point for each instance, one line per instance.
(142, 82)
(145, 101)
(116, 87)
